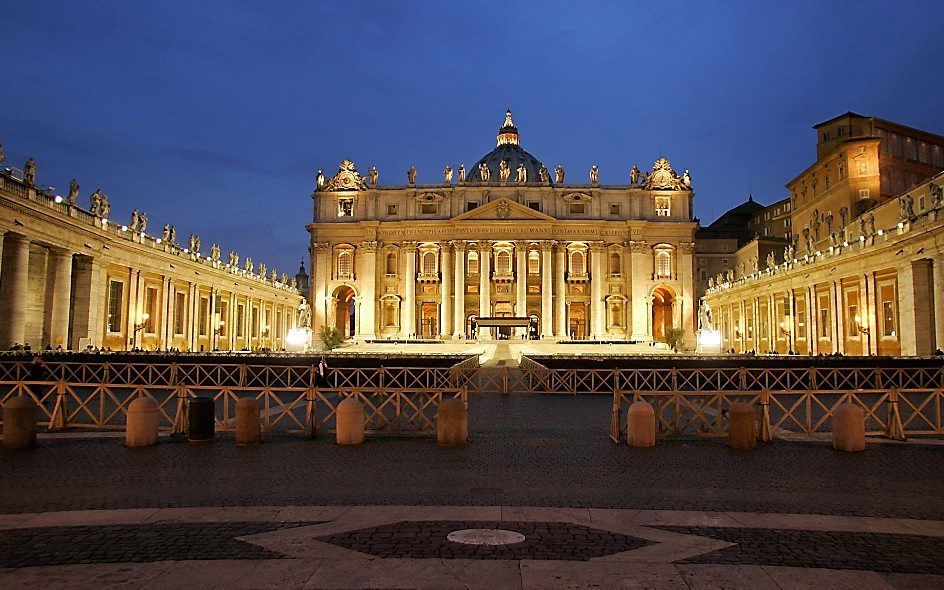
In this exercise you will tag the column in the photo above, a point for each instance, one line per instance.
(408, 326)
(521, 279)
(368, 296)
(459, 315)
(686, 274)
(547, 276)
(58, 293)
(597, 278)
(937, 291)
(485, 280)
(560, 288)
(839, 335)
(790, 310)
(320, 274)
(445, 290)
(869, 312)
(812, 320)
(640, 255)
(14, 272)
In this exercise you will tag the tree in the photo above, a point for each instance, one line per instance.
(331, 337)
(674, 337)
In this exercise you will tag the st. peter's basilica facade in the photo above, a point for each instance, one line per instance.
(504, 249)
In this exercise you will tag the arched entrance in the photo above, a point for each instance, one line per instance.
(578, 320)
(344, 311)
(663, 299)
(504, 310)
(429, 318)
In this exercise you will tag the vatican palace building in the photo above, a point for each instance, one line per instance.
(506, 248)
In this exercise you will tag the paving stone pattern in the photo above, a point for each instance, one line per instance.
(878, 552)
(543, 540)
(524, 450)
(133, 543)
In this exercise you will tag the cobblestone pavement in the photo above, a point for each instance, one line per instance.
(543, 540)
(525, 450)
(132, 543)
(823, 549)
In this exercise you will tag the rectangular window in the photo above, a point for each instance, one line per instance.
(536, 205)
(863, 193)
(889, 321)
(801, 321)
(223, 308)
(115, 293)
(254, 322)
(180, 312)
(824, 316)
(391, 209)
(203, 316)
(430, 208)
(577, 208)
(150, 308)
(852, 324)
(663, 207)
(614, 208)
(470, 205)
(240, 320)
(345, 207)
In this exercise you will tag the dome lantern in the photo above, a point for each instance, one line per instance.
(508, 133)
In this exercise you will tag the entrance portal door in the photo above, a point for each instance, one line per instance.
(504, 310)
(578, 321)
(344, 311)
(429, 315)
(662, 302)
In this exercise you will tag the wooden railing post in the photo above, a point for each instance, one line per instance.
(311, 397)
(60, 413)
(180, 391)
(765, 430)
(894, 428)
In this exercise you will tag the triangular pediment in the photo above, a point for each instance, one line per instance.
(503, 209)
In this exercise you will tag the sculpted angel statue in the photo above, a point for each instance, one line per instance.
(461, 172)
(447, 174)
(521, 174)
(594, 174)
(543, 174)
(73, 192)
(558, 174)
(503, 170)
(484, 172)
(320, 179)
(411, 175)
(373, 175)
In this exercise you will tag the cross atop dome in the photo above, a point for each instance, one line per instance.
(508, 133)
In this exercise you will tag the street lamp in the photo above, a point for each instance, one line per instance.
(144, 322)
(862, 329)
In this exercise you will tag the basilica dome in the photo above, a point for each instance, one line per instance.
(510, 151)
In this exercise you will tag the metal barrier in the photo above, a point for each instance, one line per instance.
(294, 398)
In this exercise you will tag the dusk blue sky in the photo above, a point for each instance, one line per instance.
(215, 116)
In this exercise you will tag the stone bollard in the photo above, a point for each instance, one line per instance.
(248, 431)
(742, 427)
(641, 425)
(350, 422)
(849, 428)
(19, 423)
(452, 423)
(201, 424)
(143, 418)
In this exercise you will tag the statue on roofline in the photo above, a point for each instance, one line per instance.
(461, 172)
(558, 174)
(373, 175)
(411, 175)
(594, 174)
(73, 192)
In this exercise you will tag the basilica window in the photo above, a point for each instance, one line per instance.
(470, 205)
(473, 263)
(115, 293)
(578, 208)
(534, 262)
(429, 208)
(429, 263)
(663, 207)
(614, 208)
(578, 263)
(345, 263)
(616, 263)
(391, 209)
(503, 262)
(391, 264)
(346, 207)
(663, 263)
(536, 205)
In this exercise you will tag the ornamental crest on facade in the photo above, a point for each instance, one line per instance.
(347, 179)
(503, 210)
(664, 178)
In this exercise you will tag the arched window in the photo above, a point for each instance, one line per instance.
(663, 263)
(345, 264)
(391, 263)
(503, 262)
(429, 263)
(615, 264)
(534, 262)
(473, 263)
(577, 264)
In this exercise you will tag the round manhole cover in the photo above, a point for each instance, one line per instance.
(485, 537)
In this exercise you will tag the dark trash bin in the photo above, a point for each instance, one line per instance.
(201, 426)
